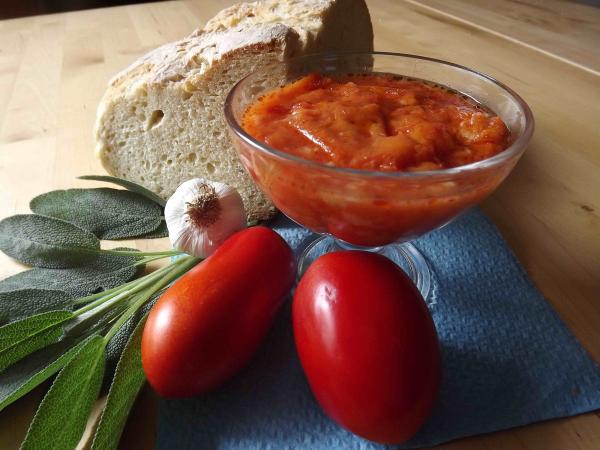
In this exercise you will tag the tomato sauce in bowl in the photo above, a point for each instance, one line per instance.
(376, 122)
(370, 156)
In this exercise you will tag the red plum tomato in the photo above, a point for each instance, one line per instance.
(367, 344)
(211, 321)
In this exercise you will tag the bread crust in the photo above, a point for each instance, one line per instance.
(195, 54)
(168, 76)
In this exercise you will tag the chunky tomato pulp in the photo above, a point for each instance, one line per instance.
(376, 122)
(379, 123)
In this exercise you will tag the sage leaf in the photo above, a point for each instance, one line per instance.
(128, 380)
(61, 417)
(161, 232)
(21, 303)
(114, 347)
(106, 272)
(129, 185)
(108, 213)
(42, 241)
(30, 372)
(23, 337)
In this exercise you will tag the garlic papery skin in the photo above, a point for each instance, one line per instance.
(201, 214)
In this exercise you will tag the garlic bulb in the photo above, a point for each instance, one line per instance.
(201, 214)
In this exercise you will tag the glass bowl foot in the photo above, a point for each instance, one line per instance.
(406, 255)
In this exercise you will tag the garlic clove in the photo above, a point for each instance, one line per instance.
(201, 214)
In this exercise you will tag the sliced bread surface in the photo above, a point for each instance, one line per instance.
(161, 121)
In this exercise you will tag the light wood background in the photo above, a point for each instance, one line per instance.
(53, 71)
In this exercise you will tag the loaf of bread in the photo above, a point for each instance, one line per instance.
(160, 121)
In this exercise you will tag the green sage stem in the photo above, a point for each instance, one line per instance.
(121, 288)
(127, 289)
(89, 298)
(137, 254)
(178, 268)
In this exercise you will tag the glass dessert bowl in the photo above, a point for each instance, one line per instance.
(373, 210)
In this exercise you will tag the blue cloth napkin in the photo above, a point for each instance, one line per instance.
(508, 360)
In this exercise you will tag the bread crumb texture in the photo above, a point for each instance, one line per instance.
(161, 120)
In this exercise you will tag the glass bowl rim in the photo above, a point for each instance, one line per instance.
(517, 147)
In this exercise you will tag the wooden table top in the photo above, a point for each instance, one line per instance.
(54, 69)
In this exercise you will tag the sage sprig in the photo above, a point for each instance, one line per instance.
(107, 213)
(60, 420)
(20, 303)
(73, 313)
(116, 345)
(129, 185)
(105, 272)
(161, 232)
(22, 377)
(47, 242)
(22, 337)
(128, 381)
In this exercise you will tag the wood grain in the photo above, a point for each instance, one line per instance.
(563, 29)
(53, 71)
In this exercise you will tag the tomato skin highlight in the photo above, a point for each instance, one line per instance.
(367, 344)
(211, 321)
